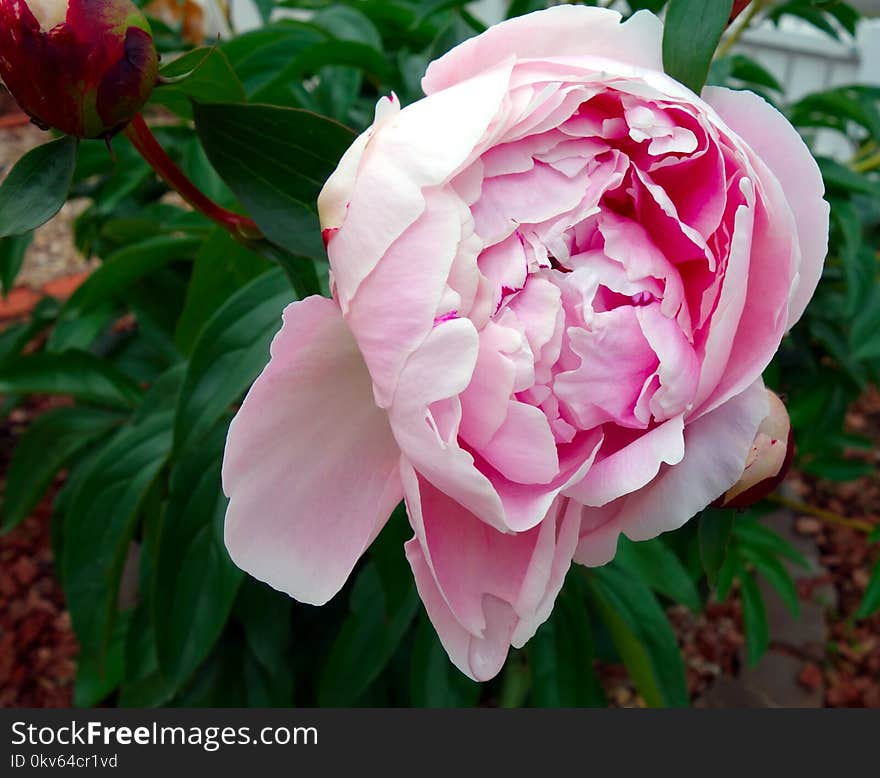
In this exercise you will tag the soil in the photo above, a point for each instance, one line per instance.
(52, 254)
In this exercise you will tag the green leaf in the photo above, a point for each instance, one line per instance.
(835, 108)
(777, 576)
(434, 681)
(368, 639)
(754, 619)
(142, 686)
(204, 75)
(231, 350)
(77, 373)
(275, 160)
(846, 180)
(657, 566)
(265, 616)
(100, 524)
(642, 636)
(561, 654)
(123, 268)
(860, 267)
(752, 534)
(80, 332)
(52, 438)
(195, 582)
(690, 37)
(715, 528)
(12, 251)
(222, 267)
(14, 338)
(37, 186)
(874, 537)
(871, 602)
(97, 677)
(726, 575)
(311, 59)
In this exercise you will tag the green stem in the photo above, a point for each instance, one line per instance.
(747, 18)
(142, 138)
(821, 513)
(868, 164)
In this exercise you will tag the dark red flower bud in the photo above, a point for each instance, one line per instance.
(738, 7)
(84, 67)
(768, 461)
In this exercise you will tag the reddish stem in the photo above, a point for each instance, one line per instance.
(145, 142)
(738, 7)
(14, 120)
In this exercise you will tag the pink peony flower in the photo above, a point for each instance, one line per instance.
(557, 280)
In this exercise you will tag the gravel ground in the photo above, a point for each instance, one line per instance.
(52, 254)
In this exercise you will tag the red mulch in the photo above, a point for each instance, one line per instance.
(37, 646)
(852, 664)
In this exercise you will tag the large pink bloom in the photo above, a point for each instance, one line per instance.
(557, 280)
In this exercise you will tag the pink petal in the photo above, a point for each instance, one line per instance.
(484, 590)
(560, 31)
(478, 657)
(416, 149)
(716, 446)
(311, 467)
(616, 360)
(440, 369)
(387, 332)
(778, 144)
(629, 469)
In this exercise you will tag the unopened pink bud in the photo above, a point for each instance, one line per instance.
(768, 461)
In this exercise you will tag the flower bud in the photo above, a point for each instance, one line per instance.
(84, 67)
(768, 461)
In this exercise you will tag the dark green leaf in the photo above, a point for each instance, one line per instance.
(77, 373)
(222, 266)
(367, 641)
(750, 533)
(80, 331)
(12, 251)
(231, 350)
(143, 686)
(659, 568)
(561, 654)
(846, 180)
(100, 524)
(777, 576)
(195, 582)
(434, 681)
(37, 186)
(715, 528)
(276, 161)
(310, 60)
(754, 619)
(97, 676)
(871, 602)
(120, 270)
(691, 34)
(203, 75)
(52, 438)
(265, 616)
(726, 575)
(642, 635)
